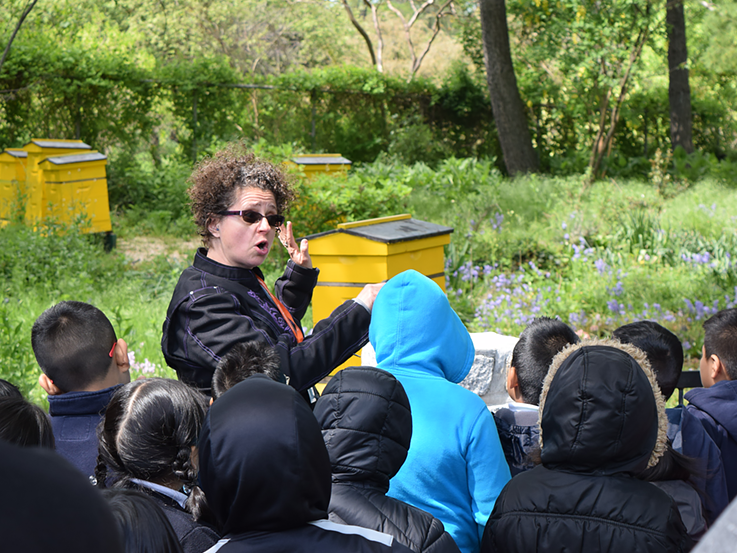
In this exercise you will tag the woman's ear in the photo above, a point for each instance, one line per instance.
(213, 226)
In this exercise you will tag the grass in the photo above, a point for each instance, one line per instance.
(596, 256)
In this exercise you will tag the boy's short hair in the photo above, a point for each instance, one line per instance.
(720, 339)
(243, 360)
(532, 355)
(72, 342)
(662, 348)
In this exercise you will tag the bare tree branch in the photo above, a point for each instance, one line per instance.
(363, 33)
(23, 16)
(604, 143)
(380, 38)
(407, 34)
(418, 62)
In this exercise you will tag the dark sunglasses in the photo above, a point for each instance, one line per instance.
(251, 217)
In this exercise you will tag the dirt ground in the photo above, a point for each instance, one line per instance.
(140, 249)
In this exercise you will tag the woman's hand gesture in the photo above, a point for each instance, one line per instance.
(299, 254)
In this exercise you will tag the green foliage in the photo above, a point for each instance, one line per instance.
(328, 199)
(52, 258)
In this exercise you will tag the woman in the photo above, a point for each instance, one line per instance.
(238, 203)
(147, 442)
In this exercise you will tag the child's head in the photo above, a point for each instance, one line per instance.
(142, 523)
(25, 424)
(76, 347)
(8, 389)
(662, 348)
(150, 432)
(244, 360)
(259, 437)
(719, 354)
(538, 344)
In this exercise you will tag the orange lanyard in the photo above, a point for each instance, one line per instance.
(296, 330)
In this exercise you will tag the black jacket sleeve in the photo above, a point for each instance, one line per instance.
(294, 288)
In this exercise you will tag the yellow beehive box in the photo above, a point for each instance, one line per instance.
(38, 150)
(364, 252)
(76, 184)
(12, 181)
(314, 164)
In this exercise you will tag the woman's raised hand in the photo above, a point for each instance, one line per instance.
(299, 254)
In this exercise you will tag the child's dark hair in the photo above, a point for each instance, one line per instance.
(72, 342)
(142, 523)
(662, 348)
(244, 360)
(8, 389)
(25, 424)
(720, 339)
(147, 433)
(671, 466)
(532, 355)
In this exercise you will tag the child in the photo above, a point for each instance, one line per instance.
(25, 424)
(243, 360)
(517, 422)
(266, 473)
(367, 425)
(455, 467)
(148, 441)
(602, 420)
(665, 354)
(141, 522)
(48, 506)
(715, 405)
(83, 363)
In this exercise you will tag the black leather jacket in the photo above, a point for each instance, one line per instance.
(367, 426)
(215, 306)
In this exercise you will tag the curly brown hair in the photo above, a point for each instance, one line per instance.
(215, 182)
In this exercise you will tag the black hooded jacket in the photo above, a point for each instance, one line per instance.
(266, 474)
(602, 420)
(367, 425)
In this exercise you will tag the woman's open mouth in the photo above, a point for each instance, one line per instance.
(263, 247)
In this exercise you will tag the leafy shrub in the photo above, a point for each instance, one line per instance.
(51, 258)
(329, 199)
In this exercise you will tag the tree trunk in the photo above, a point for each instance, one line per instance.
(506, 103)
(679, 91)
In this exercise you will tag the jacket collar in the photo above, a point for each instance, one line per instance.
(204, 263)
(81, 403)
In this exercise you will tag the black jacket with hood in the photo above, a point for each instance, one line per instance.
(602, 420)
(367, 425)
(266, 474)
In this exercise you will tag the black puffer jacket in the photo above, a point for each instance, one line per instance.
(367, 425)
(602, 419)
(266, 473)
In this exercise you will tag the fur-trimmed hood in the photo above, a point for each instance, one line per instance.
(601, 411)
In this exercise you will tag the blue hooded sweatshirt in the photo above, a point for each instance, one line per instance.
(455, 468)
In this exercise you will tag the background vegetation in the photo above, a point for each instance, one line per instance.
(158, 85)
